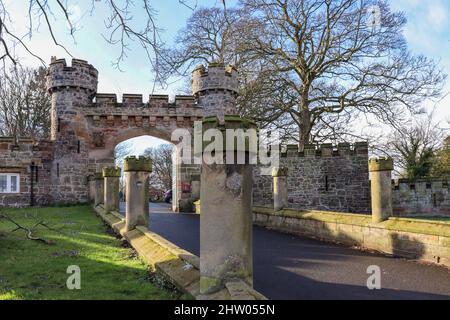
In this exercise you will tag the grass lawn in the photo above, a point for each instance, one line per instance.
(35, 270)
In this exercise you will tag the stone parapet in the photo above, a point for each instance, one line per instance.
(408, 238)
(358, 149)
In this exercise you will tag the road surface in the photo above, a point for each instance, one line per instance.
(290, 267)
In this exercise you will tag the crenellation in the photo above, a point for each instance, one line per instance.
(361, 148)
(106, 99)
(309, 150)
(216, 89)
(326, 150)
(425, 197)
(132, 100)
(185, 101)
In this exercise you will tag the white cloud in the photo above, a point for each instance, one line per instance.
(437, 15)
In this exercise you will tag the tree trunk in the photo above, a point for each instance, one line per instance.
(305, 126)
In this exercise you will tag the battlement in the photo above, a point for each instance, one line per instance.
(326, 150)
(137, 164)
(136, 100)
(80, 74)
(421, 185)
(217, 77)
(381, 164)
(111, 172)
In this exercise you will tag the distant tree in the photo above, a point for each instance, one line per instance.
(122, 151)
(24, 103)
(312, 66)
(414, 147)
(210, 35)
(161, 176)
(441, 163)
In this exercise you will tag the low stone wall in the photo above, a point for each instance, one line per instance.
(321, 178)
(179, 266)
(416, 239)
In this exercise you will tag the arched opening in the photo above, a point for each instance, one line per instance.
(162, 188)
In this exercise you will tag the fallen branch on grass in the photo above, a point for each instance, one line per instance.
(29, 231)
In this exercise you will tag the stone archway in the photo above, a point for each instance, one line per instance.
(86, 127)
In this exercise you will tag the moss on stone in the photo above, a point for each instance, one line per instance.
(137, 164)
(407, 225)
(381, 164)
(111, 172)
(208, 284)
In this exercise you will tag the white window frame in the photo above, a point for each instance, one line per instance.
(8, 182)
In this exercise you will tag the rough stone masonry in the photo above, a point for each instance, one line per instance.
(87, 126)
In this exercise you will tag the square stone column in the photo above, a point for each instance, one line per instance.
(99, 194)
(381, 188)
(111, 176)
(226, 237)
(137, 194)
(280, 188)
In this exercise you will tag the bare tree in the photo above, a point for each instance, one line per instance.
(161, 176)
(312, 67)
(121, 25)
(24, 103)
(122, 151)
(208, 36)
(335, 59)
(414, 147)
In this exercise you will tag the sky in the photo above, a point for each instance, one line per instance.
(427, 32)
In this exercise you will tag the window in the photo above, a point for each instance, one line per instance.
(9, 183)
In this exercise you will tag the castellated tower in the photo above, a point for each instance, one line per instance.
(70, 88)
(216, 89)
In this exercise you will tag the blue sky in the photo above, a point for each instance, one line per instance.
(427, 31)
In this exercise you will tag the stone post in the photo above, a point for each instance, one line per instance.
(280, 188)
(137, 194)
(99, 194)
(381, 188)
(226, 213)
(225, 185)
(111, 177)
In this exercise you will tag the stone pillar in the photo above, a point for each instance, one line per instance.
(280, 188)
(111, 176)
(137, 184)
(381, 188)
(226, 213)
(99, 193)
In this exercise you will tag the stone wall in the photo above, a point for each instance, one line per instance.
(408, 238)
(31, 161)
(422, 198)
(321, 178)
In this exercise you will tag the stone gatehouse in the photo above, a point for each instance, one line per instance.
(87, 126)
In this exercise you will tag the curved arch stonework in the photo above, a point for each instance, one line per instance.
(87, 126)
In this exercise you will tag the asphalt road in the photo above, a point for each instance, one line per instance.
(290, 267)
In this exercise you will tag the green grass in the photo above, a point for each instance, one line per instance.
(34, 270)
